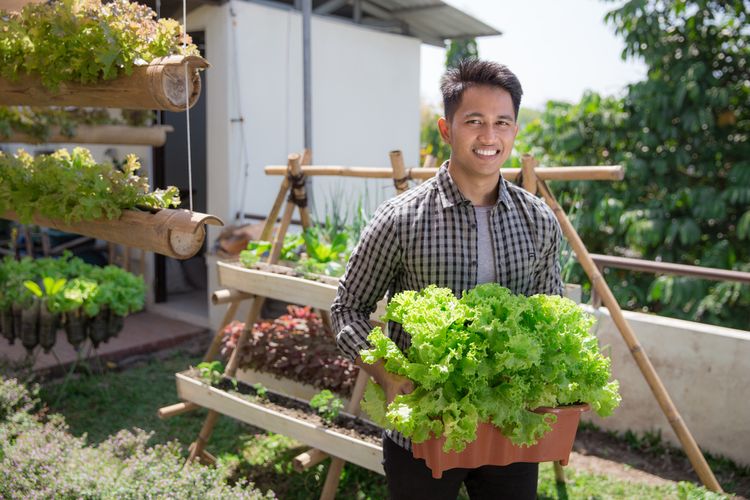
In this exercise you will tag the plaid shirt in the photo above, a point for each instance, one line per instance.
(428, 235)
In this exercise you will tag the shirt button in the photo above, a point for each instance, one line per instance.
(473, 263)
(473, 225)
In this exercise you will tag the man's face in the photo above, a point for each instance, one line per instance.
(481, 132)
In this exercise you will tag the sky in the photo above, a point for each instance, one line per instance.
(557, 48)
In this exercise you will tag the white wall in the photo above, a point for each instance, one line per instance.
(365, 101)
(704, 368)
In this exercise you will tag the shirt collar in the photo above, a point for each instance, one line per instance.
(450, 194)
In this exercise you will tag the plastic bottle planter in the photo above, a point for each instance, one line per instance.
(492, 448)
(48, 324)
(6, 324)
(76, 326)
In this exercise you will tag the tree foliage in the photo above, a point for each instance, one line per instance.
(459, 49)
(682, 135)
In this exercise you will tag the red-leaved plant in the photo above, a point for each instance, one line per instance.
(296, 346)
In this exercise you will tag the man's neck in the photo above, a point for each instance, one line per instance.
(480, 191)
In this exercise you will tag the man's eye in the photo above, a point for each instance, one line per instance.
(473, 122)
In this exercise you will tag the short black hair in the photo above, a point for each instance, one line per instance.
(472, 72)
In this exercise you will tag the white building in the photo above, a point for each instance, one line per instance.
(365, 60)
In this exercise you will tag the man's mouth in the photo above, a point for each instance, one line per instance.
(486, 152)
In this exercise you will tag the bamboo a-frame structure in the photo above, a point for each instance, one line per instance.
(533, 180)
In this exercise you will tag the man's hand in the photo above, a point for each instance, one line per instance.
(392, 384)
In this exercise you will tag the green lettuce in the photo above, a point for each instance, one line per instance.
(488, 356)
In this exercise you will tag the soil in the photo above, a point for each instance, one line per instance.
(601, 452)
(345, 423)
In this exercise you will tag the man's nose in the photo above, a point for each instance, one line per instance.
(488, 134)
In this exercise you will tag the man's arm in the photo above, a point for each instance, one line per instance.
(371, 268)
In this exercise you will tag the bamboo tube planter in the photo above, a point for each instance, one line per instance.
(100, 134)
(171, 232)
(159, 85)
(334, 443)
(589, 173)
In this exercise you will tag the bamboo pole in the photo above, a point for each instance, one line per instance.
(176, 409)
(100, 134)
(636, 350)
(158, 85)
(400, 178)
(337, 464)
(528, 167)
(267, 232)
(253, 315)
(589, 173)
(174, 233)
(227, 296)
(295, 168)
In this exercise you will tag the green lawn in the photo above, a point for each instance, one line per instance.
(100, 405)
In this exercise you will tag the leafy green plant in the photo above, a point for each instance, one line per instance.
(51, 292)
(489, 356)
(73, 187)
(327, 405)
(38, 122)
(211, 371)
(260, 390)
(85, 40)
(258, 249)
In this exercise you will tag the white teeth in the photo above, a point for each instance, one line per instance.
(486, 152)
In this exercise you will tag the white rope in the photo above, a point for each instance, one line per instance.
(187, 105)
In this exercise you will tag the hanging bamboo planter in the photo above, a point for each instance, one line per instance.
(158, 85)
(175, 233)
(100, 134)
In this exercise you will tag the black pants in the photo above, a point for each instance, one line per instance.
(409, 478)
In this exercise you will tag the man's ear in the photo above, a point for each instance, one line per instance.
(444, 129)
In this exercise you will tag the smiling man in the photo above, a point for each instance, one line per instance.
(464, 227)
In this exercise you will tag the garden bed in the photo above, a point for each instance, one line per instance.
(347, 437)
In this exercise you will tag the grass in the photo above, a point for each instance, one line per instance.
(100, 405)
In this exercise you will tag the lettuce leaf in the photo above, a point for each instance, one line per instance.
(488, 356)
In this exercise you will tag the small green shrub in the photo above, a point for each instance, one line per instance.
(326, 405)
(41, 459)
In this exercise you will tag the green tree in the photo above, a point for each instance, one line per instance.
(460, 48)
(682, 135)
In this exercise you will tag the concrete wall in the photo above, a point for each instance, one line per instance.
(705, 369)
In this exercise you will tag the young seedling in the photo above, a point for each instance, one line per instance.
(211, 371)
(326, 405)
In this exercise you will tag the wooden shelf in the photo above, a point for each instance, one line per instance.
(352, 450)
(175, 233)
(281, 287)
(158, 85)
(282, 385)
(101, 134)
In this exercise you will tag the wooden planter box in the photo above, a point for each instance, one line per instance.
(339, 445)
(282, 385)
(101, 134)
(175, 233)
(159, 85)
(281, 287)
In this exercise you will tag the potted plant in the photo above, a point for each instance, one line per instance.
(77, 292)
(48, 299)
(489, 357)
(118, 294)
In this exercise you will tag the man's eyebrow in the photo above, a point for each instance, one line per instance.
(477, 114)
